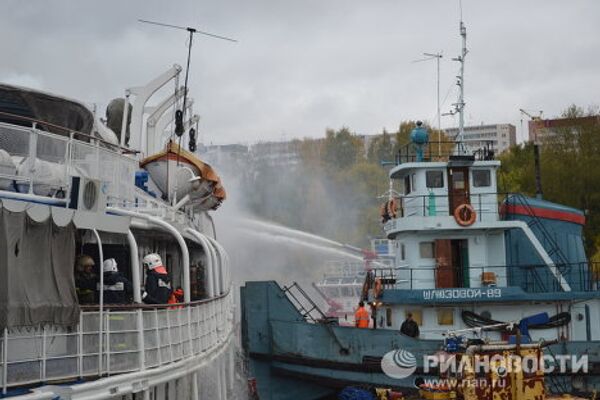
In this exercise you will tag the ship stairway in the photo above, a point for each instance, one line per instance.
(552, 248)
(309, 310)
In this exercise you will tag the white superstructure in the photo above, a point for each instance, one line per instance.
(76, 180)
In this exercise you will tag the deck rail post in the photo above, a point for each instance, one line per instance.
(4, 361)
(101, 295)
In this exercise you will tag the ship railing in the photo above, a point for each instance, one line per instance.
(532, 278)
(487, 205)
(47, 160)
(134, 337)
(444, 150)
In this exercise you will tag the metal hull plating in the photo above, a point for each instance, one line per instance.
(284, 349)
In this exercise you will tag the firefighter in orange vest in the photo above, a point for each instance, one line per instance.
(361, 316)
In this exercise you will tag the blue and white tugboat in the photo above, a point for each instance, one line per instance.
(469, 262)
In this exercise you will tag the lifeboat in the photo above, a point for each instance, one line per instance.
(179, 173)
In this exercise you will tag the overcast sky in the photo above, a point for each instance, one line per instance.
(302, 66)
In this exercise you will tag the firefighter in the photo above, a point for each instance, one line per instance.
(361, 316)
(117, 288)
(158, 285)
(85, 279)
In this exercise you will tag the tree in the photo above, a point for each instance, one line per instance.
(342, 148)
(381, 149)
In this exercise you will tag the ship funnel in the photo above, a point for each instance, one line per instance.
(419, 137)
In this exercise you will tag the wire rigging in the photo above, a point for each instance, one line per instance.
(180, 114)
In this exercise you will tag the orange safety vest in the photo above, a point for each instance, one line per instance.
(361, 318)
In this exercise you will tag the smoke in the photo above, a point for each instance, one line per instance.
(258, 197)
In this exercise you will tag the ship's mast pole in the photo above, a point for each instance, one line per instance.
(461, 83)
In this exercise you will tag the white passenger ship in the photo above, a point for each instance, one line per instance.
(70, 186)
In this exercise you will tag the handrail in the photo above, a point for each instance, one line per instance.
(183, 333)
(408, 153)
(584, 276)
(67, 130)
(134, 306)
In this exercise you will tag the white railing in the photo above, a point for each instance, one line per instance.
(66, 156)
(133, 338)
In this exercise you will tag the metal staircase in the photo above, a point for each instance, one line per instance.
(556, 384)
(307, 307)
(552, 248)
(304, 304)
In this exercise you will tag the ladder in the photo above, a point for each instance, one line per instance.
(554, 251)
(304, 304)
(307, 307)
(557, 384)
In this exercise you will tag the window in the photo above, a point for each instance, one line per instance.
(481, 178)
(445, 316)
(407, 184)
(414, 182)
(458, 180)
(434, 179)
(402, 252)
(388, 316)
(427, 250)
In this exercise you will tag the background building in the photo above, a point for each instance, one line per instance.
(544, 128)
(502, 136)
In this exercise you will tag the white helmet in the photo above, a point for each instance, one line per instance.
(110, 265)
(152, 261)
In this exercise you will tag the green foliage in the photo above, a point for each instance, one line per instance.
(342, 148)
(381, 149)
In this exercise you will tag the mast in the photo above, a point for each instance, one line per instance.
(459, 106)
(461, 84)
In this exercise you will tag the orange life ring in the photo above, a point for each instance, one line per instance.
(378, 288)
(465, 215)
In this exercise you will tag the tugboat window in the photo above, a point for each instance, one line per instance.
(445, 316)
(427, 249)
(481, 178)
(407, 184)
(435, 179)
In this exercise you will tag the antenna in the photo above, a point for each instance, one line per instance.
(459, 106)
(437, 57)
(180, 114)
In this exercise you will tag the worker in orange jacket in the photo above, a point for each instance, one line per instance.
(361, 316)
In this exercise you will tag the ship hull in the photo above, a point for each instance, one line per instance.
(284, 349)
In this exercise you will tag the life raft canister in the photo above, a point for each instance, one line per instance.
(465, 215)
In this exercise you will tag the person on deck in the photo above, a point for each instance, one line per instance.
(158, 284)
(410, 327)
(85, 279)
(361, 316)
(117, 288)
